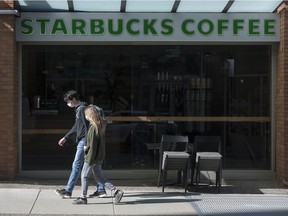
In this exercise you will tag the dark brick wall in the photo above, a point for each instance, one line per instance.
(8, 94)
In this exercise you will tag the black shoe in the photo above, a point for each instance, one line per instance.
(59, 191)
(63, 193)
(99, 194)
(118, 195)
(80, 200)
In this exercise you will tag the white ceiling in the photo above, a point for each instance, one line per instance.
(218, 6)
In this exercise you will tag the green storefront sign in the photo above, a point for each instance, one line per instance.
(147, 27)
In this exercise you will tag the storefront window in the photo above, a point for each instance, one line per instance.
(147, 91)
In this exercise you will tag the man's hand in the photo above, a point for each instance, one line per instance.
(62, 141)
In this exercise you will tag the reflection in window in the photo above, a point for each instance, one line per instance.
(154, 81)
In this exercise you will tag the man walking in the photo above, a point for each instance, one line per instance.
(79, 128)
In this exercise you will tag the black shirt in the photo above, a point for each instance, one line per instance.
(81, 125)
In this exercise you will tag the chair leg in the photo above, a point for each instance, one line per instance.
(179, 176)
(197, 178)
(220, 180)
(220, 177)
(218, 185)
(185, 179)
(217, 179)
(164, 175)
(159, 178)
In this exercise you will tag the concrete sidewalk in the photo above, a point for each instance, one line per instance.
(46, 202)
(236, 198)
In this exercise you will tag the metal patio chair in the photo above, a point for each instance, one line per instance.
(173, 156)
(208, 157)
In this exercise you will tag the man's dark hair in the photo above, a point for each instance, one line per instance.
(70, 95)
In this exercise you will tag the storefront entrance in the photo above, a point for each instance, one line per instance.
(147, 91)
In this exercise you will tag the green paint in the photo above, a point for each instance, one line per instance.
(59, 27)
(119, 27)
(78, 25)
(254, 27)
(148, 27)
(185, 29)
(207, 23)
(96, 27)
(26, 24)
(131, 24)
(269, 27)
(238, 25)
(222, 25)
(167, 26)
(43, 23)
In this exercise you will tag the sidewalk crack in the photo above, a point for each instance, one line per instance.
(34, 202)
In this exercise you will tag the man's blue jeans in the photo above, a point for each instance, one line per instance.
(76, 168)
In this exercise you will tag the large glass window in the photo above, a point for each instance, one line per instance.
(147, 91)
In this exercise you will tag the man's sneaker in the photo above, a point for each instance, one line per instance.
(80, 200)
(63, 193)
(59, 191)
(66, 194)
(118, 195)
(99, 194)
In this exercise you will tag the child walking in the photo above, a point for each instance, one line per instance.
(94, 156)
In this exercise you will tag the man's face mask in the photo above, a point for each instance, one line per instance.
(70, 104)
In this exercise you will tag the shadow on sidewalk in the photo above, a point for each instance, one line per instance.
(228, 186)
(134, 198)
